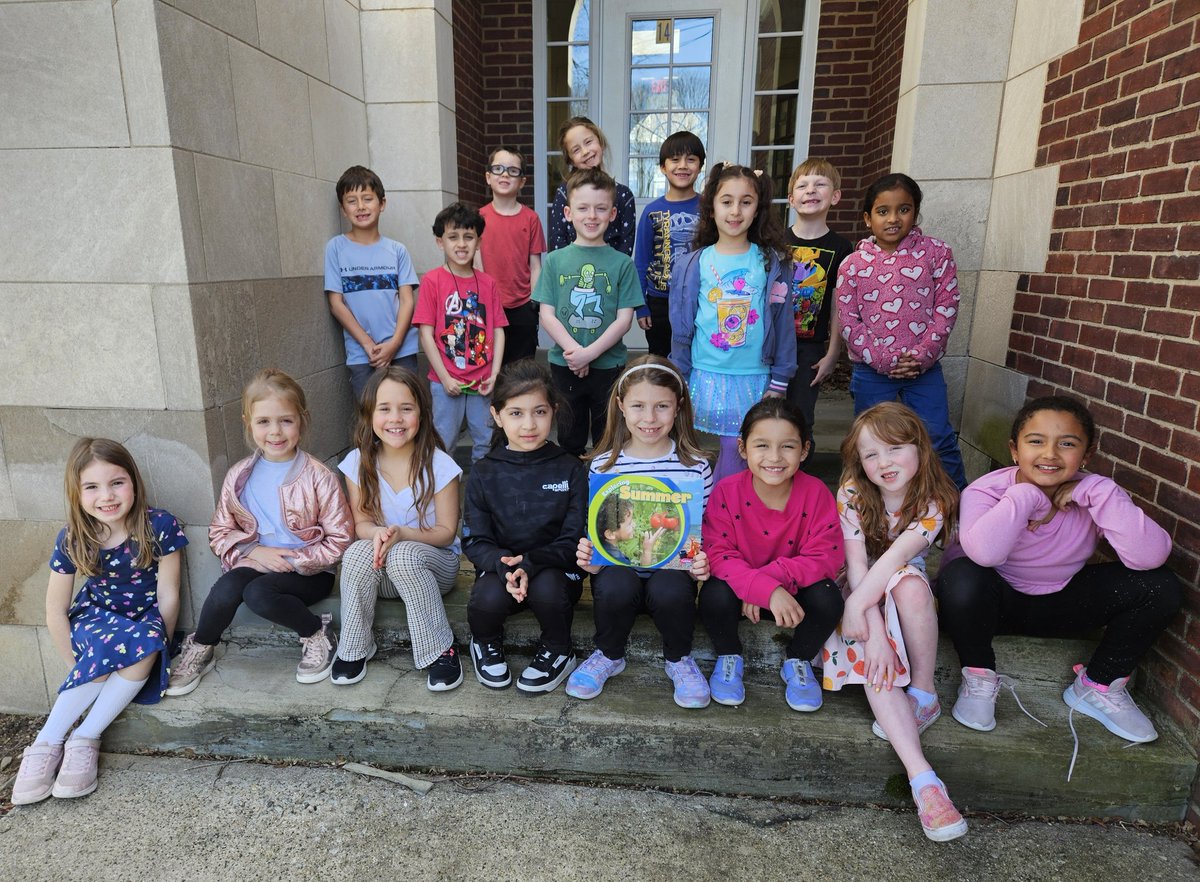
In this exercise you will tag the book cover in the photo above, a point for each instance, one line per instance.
(644, 521)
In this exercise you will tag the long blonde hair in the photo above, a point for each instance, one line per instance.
(893, 423)
(424, 442)
(662, 374)
(85, 535)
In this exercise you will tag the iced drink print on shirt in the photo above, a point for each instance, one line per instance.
(734, 297)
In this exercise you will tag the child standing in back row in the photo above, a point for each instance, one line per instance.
(583, 146)
(587, 294)
(731, 308)
(461, 325)
(369, 281)
(665, 233)
(817, 253)
(511, 251)
(897, 304)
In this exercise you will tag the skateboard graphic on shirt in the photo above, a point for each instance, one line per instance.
(588, 313)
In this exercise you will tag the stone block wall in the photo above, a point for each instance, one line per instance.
(1114, 315)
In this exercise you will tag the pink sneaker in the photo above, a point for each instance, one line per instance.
(939, 818)
(925, 716)
(35, 779)
(77, 777)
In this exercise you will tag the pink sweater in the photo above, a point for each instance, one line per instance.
(757, 549)
(994, 517)
(906, 301)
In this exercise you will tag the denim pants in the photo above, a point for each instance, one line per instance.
(448, 413)
(926, 395)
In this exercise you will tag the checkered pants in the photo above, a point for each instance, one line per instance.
(418, 574)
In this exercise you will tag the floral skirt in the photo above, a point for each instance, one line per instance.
(721, 400)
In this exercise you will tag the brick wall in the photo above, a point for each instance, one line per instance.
(1115, 318)
(498, 73)
(860, 44)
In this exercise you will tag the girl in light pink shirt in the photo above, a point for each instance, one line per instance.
(1019, 566)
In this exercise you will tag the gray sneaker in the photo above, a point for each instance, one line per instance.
(193, 662)
(317, 657)
(1112, 706)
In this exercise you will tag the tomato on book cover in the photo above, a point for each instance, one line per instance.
(644, 521)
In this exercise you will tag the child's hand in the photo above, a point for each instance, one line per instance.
(648, 540)
(517, 581)
(1060, 501)
(751, 611)
(700, 571)
(854, 622)
(787, 612)
(823, 368)
(771, 393)
(907, 368)
(645, 323)
(882, 663)
(452, 388)
(271, 560)
(578, 359)
(384, 539)
(486, 385)
(375, 355)
(583, 557)
(386, 352)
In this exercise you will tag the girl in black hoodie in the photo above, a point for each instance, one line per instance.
(525, 511)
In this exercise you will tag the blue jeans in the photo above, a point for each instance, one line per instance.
(926, 395)
(448, 413)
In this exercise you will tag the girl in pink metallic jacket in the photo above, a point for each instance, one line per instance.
(281, 526)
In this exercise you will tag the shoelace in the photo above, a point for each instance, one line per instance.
(315, 648)
(728, 669)
(1113, 701)
(191, 659)
(689, 673)
(38, 763)
(77, 760)
(543, 659)
(979, 687)
(801, 671)
(595, 664)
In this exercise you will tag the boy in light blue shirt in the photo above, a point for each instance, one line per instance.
(369, 280)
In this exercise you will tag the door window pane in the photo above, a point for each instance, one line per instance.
(775, 119)
(649, 88)
(693, 40)
(778, 63)
(777, 165)
(567, 21)
(645, 178)
(690, 88)
(696, 123)
(644, 44)
(567, 71)
(647, 131)
(775, 16)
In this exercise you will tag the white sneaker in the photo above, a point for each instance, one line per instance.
(1112, 705)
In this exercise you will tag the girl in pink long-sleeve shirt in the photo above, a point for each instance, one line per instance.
(774, 543)
(897, 301)
(1019, 566)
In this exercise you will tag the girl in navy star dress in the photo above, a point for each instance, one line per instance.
(116, 629)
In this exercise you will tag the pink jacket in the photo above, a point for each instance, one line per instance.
(755, 549)
(995, 512)
(906, 301)
(314, 508)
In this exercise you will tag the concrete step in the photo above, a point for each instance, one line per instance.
(634, 734)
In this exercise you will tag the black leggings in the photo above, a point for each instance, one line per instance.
(552, 597)
(721, 611)
(669, 596)
(1133, 606)
(282, 598)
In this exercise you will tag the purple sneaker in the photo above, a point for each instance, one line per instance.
(691, 689)
(587, 681)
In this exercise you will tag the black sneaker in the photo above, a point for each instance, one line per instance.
(446, 672)
(546, 671)
(491, 669)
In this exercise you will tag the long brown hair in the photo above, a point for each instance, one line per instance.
(665, 375)
(765, 231)
(425, 442)
(893, 423)
(85, 535)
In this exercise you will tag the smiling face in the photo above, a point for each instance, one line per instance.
(734, 208)
(362, 208)
(774, 451)
(590, 210)
(1050, 449)
(889, 466)
(106, 494)
(459, 244)
(582, 148)
(505, 184)
(891, 217)
(397, 416)
(525, 420)
(813, 195)
(275, 428)
(681, 173)
(649, 413)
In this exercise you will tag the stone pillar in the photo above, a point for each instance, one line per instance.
(408, 65)
(167, 175)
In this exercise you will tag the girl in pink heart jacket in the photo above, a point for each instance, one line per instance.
(897, 300)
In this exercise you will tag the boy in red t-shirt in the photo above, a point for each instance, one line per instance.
(461, 322)
(512, 250)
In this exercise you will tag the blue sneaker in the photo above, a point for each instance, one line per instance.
(691, 689)
(803, 689)
(726, 680)
(587, 680)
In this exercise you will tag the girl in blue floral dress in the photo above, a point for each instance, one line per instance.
(115, 632)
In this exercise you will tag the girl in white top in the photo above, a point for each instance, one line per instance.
(403, 490)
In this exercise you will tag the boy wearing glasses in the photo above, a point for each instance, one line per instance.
(511, 250)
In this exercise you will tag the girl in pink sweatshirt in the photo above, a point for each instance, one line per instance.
(897, 301)
(774, 544)
(1020, 566)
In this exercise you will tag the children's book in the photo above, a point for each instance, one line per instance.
(644, 521)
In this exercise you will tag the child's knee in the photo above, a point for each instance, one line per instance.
(359, 558)
(912, 593)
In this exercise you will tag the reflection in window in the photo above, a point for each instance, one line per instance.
(777, 93)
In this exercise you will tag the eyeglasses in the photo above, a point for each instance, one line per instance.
(511, 170)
